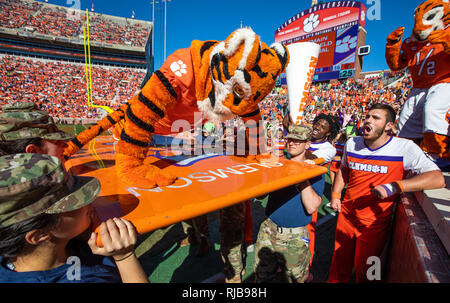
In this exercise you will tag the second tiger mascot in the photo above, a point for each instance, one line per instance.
(426, 53)
(220, 79)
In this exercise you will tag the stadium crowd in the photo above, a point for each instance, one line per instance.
(16, 14)
(60, 88)
(347, 100)
(58, 21)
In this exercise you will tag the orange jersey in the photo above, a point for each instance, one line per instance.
(368, 168)
(428, 63)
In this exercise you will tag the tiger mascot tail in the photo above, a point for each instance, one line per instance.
(427, 56)
(220, 79)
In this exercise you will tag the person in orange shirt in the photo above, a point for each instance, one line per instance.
(373, 167)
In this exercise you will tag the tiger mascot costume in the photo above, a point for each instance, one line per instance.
(218, 79)
(426, 112)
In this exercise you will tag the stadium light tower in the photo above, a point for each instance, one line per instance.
(153, 29)
(165, 25)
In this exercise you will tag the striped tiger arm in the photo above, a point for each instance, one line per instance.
(145, 110)
(87, 135)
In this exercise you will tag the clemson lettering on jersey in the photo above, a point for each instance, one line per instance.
(368, 168)
(376, 169)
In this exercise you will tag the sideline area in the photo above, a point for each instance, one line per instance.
(165, 262)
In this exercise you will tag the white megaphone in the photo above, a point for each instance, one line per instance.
(303, 58)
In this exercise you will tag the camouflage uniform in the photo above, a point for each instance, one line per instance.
(196, 225)
(32, 184)
(231, 228)
(22, 120)
(285, 254)
(282, 254)
(231, 223)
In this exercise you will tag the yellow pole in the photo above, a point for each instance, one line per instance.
(89, 54)
(86, 64)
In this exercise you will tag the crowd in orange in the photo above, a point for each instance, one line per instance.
(17, 13)
(60, 88)
(347, 100)
(106, 31)
(60, 22)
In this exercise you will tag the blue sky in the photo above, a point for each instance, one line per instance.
(189, 20)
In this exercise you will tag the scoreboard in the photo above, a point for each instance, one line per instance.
(335, 27)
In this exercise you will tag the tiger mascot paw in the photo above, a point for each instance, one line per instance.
(396, 36)
(136, 172)
(162, 178)
(266, 158)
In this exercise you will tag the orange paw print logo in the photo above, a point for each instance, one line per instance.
(178, 68)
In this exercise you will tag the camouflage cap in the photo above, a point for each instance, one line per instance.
(32, 184)
(19, 106)
(299, 132)
(16, 124)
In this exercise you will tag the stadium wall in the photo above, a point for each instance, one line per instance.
(362, 34)
(416, 254)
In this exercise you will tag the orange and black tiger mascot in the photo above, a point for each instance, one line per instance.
(426, 113)
(218, 79)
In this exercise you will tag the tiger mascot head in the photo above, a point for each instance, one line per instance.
(430, 16)
(234, 75)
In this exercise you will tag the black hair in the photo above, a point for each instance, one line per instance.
(12, 238)
(332, 122)
(17, 146)
(343, 138)
(390, 112)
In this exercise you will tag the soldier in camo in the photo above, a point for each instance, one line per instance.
(231, 228)
(22, 124)
(32, 184)
(282, 251)
(231, 224)
(292, 266)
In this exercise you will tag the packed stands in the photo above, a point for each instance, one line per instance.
(60, 87)
(347, 99)
(59, 21)
(17, 13)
